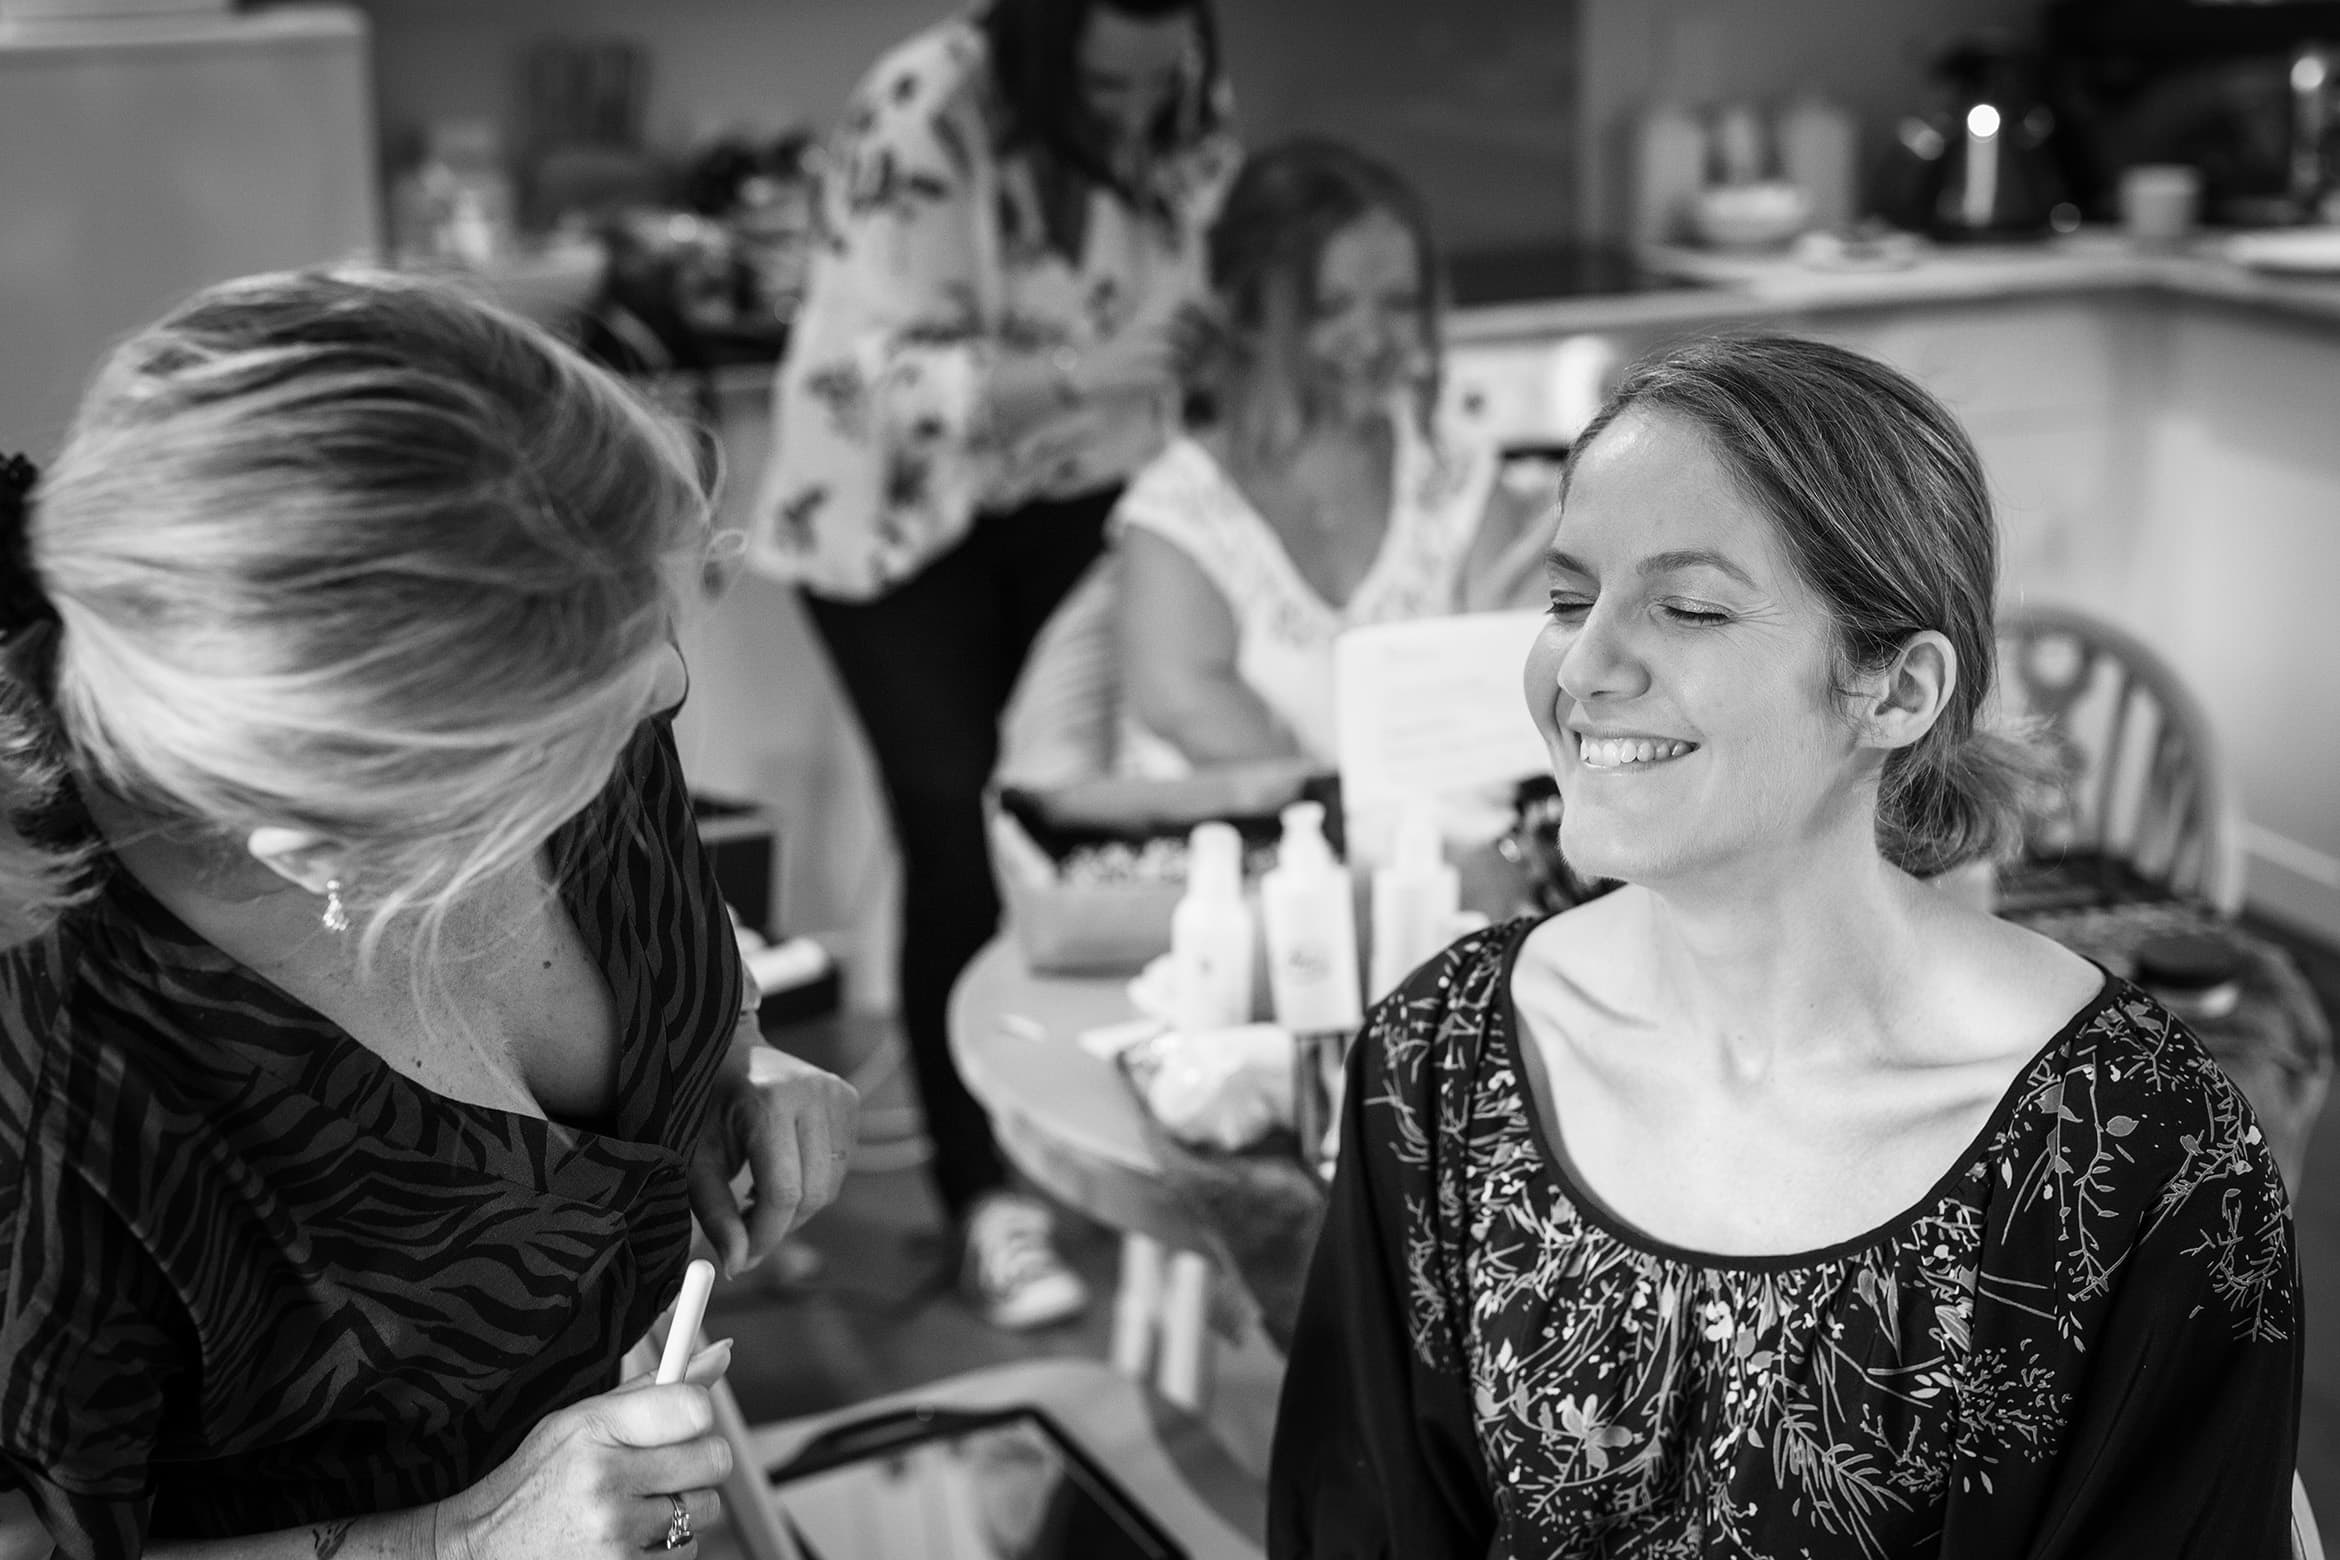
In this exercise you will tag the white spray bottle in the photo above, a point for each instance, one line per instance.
(1211, 935)
(1311, 921)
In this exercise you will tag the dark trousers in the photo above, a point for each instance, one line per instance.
(928, 668)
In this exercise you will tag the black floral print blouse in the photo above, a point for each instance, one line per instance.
(2083, 1341)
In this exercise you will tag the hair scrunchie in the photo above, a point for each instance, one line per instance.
(22, 601)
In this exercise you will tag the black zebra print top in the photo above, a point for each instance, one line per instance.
(252, 1278)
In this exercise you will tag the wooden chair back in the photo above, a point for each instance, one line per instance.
(2147, 785)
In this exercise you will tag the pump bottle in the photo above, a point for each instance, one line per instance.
(1211, 935)
(1310, 917)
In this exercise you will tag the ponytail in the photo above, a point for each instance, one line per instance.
(1962, 796)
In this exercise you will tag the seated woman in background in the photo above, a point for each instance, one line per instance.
(371, 1027)
(1319, 493)
(1779, 1203)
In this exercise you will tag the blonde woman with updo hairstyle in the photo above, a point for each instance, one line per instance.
(1320, 488)
(1779, 1202)
(371, 1028)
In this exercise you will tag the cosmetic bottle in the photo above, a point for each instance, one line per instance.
(1211, 935)
(1310, 915)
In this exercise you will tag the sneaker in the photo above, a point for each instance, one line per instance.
(1013, 1275)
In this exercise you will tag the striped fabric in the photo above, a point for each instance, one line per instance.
(253, 1278)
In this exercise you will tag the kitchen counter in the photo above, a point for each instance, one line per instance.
(1705, 289)
(1745, 288)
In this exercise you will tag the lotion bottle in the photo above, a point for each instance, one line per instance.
(1211, 935)
(1310, 914)
(1311, 917)
(1417, 899)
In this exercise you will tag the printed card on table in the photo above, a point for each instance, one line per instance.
(1435, 708)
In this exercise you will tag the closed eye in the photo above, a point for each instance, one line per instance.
(1567, 608)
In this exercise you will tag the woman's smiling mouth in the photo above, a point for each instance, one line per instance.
(1628, 752)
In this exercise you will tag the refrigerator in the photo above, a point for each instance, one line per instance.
(143, 156)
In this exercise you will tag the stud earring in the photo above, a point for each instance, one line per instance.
(336, 917)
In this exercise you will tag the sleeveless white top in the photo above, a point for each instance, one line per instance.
(1284, 629)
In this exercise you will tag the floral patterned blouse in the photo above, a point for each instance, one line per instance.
(930, 258)
(2084, 1341)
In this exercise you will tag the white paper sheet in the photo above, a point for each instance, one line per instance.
(1434, 708)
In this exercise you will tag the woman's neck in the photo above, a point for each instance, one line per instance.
(1266, 431)
(217, 891)
(1810, 963)
(167, 858)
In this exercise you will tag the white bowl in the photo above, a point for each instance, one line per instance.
(1763, 215)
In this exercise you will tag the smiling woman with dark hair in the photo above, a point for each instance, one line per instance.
(1779, 1203)
(1073, 88)
(1010, 230)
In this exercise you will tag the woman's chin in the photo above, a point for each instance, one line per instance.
(1593, 853)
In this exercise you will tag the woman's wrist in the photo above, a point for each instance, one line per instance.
(411, 1534)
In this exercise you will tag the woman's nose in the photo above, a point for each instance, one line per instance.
(1601, 659)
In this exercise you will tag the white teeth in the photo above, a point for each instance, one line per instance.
(1617, 752)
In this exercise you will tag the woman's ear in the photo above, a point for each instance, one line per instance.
(1901, 702)
(301, 857)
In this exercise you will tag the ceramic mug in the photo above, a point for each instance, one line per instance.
(2158, 201)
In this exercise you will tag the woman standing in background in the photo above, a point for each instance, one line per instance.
(1010, 233)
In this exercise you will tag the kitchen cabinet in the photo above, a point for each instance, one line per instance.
(2171, 464)
(2237, 545)
(2048, 390)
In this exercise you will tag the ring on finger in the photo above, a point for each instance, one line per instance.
(678, 1527)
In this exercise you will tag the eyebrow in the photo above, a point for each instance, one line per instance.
(1662, 563)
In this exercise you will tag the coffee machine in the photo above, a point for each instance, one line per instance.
(1985, 163)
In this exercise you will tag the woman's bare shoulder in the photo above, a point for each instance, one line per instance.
(2008, 985)
(1585, 971)
(1599, 935)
